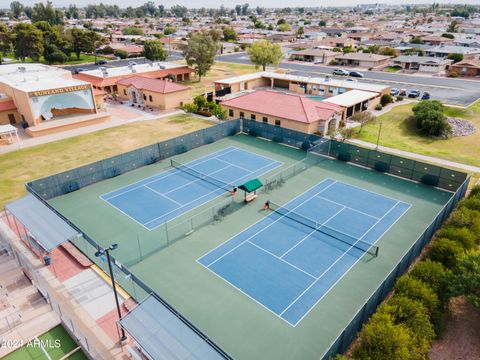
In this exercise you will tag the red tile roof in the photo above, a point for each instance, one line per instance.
(7, 105)
(287, 106)
(155, 85)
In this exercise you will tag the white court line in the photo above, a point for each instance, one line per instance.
(162, 195)
(346, 271)
(165, 174)
(371, 192)
(347, 207)
(238, 166)
(338, 259)
(211, 192)
(263, 229)
(306, 237)
(282, 260)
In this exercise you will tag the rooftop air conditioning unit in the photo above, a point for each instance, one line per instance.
(162, 67)
(22, 69)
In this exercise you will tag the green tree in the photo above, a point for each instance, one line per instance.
(122, 54)
(300, 31)
(461, 235)
(263, 53)
(416, 289)
(430, 119)
(154, 50)
(169, 30)
(179, 11)
(200, 52)
(466, 280)
(6, 41)
(46, 12)
(416, 40)
(28, 42)
(16, 8)
(453, 27)
(455, 57)
(132, 30)
(284, 27)
(322, 23)
(79, 40)
(229, 34)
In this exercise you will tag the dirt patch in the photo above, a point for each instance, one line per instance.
(461, 340)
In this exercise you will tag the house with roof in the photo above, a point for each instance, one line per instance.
(445, 50)
(163, 94)
(469, 67)
(103, 78)
(422, 63)
(290, 111)
(364, 60)
(317, 56)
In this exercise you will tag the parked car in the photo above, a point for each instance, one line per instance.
(341, 72)
(426, 96)
(356, 74)
(100, 62)
(403, 92)
(394, 91)
(78, 70)
(414, 93)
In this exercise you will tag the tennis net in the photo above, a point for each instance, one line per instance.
(337, 235)
(218, 183)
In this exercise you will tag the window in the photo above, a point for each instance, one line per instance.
(253, 117)
(277, 122)
(231, 113)
(144, 97)
(330, 89)
(242, 115)
(150, 98)
(124, 91)
(265, 119)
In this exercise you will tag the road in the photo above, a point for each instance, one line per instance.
(451, 91)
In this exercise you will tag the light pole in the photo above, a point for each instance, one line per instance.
(106, 251)
(378, 136)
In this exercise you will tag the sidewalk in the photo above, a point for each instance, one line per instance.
(429, 159)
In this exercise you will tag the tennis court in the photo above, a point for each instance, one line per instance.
(289, 260)
(162, 197)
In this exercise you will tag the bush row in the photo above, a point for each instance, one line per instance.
(405, 325)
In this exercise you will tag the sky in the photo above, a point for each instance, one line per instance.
(232, 3)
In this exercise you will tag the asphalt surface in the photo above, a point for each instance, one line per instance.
(448, 90)
(451, 91)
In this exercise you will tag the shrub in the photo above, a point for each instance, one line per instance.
(467, 278)
(412, 314)
(472, 203)
(378, 107)
(445, 251)
(57, 56)
(190, 108)
(461, 235)
(386, 99)
(453, 74)
(107, 50)
(465, 217)
(122, 54)
(399, 98)
(435, 275)
(380, 338)
(417, 290)
(475, 192)
(200, 101)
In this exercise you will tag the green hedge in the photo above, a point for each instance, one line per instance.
(406, 324)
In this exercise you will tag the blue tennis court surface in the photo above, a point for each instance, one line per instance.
(154, 200)
(287, 266)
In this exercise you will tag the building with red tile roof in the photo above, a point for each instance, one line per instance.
(163, 94)
(286, 110)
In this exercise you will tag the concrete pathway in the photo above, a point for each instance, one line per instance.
(429, 159)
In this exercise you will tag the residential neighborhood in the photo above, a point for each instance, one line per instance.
(269, 180)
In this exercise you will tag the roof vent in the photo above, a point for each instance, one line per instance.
(162, 67)
(22, 69)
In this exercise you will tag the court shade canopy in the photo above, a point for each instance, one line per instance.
(162, 335)
(47, 228)
(251, 185)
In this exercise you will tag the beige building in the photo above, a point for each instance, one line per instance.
(317, 56)
(45, 99)
(161, 94)
(289, 111)
(363, 60)
(106, 79)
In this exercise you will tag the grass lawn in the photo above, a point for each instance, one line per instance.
(56, 342)
(398, 132)
(20, 166)
(392, 69)
(219, 70)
